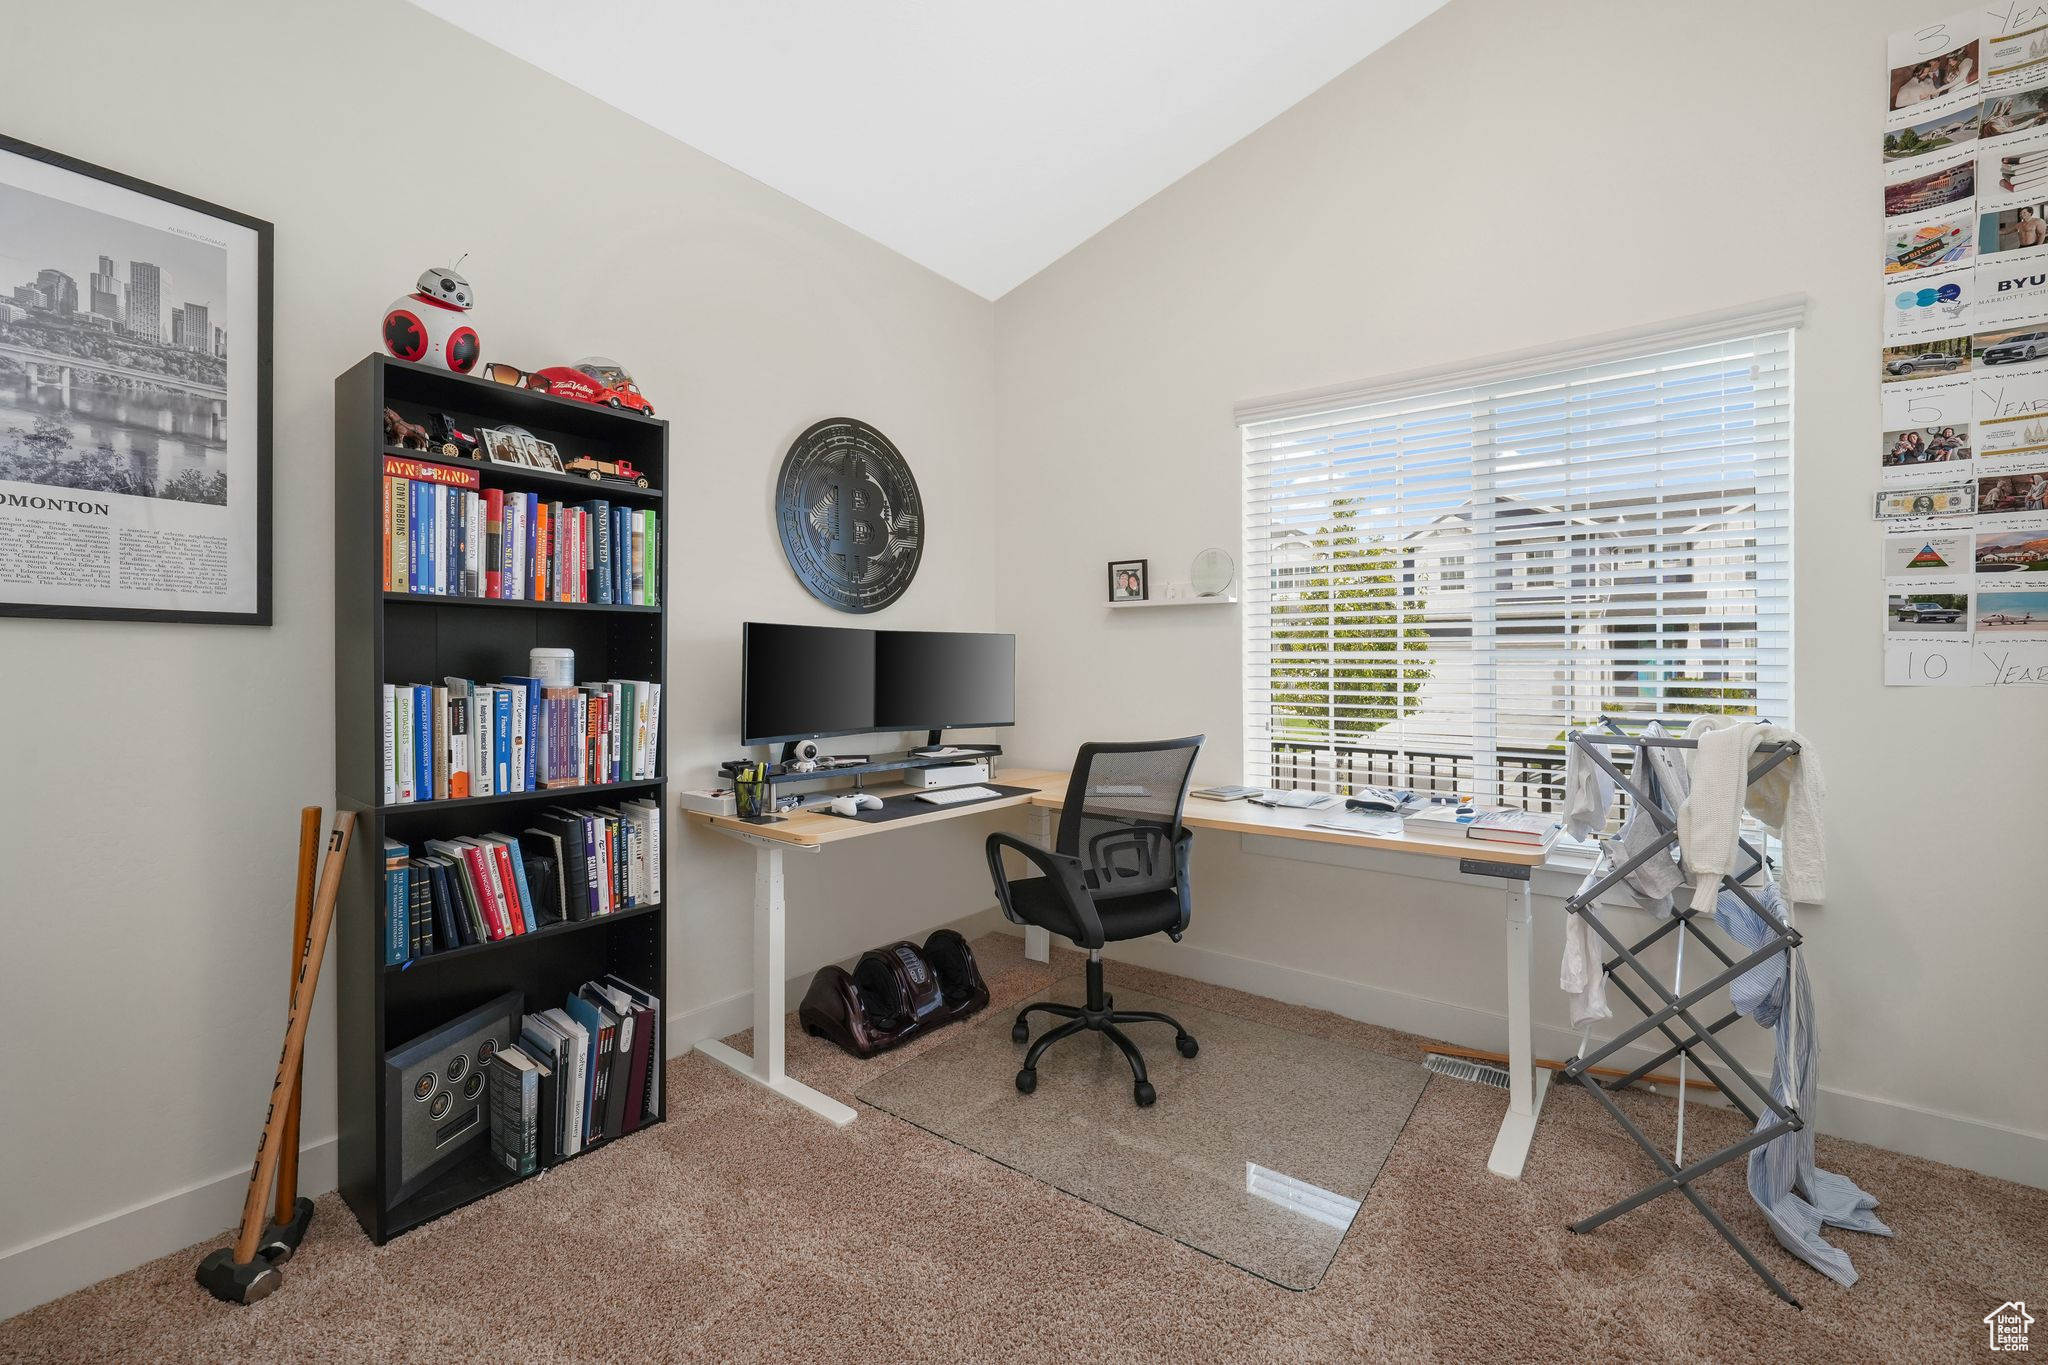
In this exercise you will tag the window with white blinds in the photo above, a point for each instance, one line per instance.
(1439, 585)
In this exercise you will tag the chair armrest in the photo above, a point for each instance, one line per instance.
(1064, 873)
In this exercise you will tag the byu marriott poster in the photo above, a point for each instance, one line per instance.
(133, 410)
(1962, 370)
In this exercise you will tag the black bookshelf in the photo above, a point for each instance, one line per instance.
(382, 637)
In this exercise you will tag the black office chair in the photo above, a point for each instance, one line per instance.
(1119, 870)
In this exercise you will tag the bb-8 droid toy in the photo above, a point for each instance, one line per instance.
(431, 325)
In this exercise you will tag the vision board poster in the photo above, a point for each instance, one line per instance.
(1963, 364)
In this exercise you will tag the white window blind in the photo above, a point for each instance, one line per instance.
(1440, 584)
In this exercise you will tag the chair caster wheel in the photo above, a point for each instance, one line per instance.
(1020, 1032)
(1144, 1094)
(1027, 1080)
(1187, 1045)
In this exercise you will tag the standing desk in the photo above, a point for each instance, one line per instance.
(808, 832)
(1508, 864)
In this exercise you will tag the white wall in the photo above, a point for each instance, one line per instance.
(150, 775)
(1504, 175)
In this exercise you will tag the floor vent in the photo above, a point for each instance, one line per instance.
(1459, 1069)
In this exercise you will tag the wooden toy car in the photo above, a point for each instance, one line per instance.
(596, 469)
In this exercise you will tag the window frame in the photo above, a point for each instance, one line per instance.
(1482, 558)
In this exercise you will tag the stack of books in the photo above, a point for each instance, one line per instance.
(447, 535)
(570, 864)
(578, 1075)
(460, 738)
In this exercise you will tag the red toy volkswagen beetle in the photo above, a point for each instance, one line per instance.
(592, 379)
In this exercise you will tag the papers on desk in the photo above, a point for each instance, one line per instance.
(1360, 822)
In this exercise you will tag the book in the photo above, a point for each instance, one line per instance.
(501, 739)
(402, 732)
(423, 740)
(576, 1064)
(513, 867)
(539, 1040)
(515, 1103)
(1512, 827)
(599, 1026)
(439, 712)
(447, 929)
(390, 704)
(651, 1092)
(397, 903)
(617, 1059)
(1440, 820)
(420, 930)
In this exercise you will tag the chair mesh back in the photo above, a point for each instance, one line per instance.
(1125, 823)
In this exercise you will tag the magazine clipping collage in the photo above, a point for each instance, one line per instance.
(1963, 371)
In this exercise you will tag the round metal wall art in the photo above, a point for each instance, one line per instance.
(851, 520)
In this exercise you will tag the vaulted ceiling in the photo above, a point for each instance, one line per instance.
(983, 140)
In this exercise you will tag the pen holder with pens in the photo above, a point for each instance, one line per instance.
(753, 793)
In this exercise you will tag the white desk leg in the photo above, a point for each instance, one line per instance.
(1037, 941)
(1526, 1085)
(770, 983)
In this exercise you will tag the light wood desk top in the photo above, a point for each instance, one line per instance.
(1242, 817)
(811, 828)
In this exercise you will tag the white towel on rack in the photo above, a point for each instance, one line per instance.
(1788, 798)
(1579, 975)
(1588, 794)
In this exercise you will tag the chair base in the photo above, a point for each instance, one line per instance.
(1100, 1016)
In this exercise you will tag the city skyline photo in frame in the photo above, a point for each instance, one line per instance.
(135, 421)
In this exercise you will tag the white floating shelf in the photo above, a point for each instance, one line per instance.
(1218, 600)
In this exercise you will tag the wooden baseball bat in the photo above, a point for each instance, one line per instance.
(294, 1037)
(302, 911)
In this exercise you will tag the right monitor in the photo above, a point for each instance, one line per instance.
(944, 680)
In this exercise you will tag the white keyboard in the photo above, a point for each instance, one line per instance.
(953, 796)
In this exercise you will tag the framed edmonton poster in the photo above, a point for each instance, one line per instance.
(134, 398)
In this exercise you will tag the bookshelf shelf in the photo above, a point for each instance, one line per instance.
(517, 477)
(385, 638)
(428, 599)
(552, 795)
(542, 934)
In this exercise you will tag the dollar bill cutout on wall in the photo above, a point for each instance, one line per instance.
(1959, 500)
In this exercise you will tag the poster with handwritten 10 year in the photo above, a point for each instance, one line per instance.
(1962, 373)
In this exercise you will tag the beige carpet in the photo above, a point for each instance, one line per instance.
(747, 1230)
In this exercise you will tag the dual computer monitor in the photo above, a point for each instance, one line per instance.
(810, 682)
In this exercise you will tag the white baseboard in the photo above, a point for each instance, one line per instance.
(2007, 1153)
(36, 1272)
(39, 1271)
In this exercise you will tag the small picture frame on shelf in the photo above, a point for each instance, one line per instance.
(503, 446)
(1128, 580)
(545, 456)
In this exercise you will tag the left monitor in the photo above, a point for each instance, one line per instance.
(805, 682)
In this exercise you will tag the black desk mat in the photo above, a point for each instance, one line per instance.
(906, 804)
